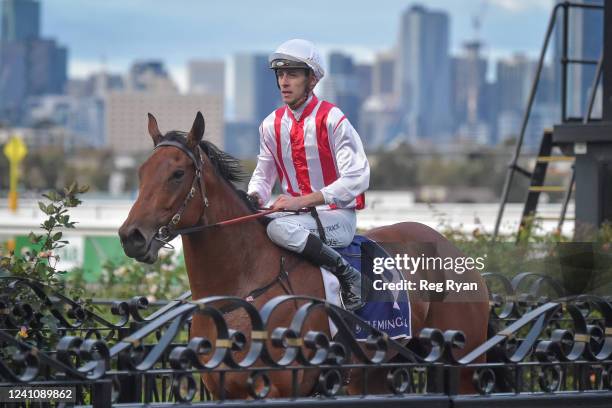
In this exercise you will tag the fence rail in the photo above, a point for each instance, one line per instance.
(543, 349)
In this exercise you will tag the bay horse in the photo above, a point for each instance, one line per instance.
(238, 259)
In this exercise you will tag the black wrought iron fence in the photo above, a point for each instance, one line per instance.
(543, 349)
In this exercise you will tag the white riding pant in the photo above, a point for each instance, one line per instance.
(291, 231)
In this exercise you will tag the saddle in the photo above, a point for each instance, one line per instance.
(385, 310)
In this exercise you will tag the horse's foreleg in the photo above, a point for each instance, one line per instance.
(443, 316)
(376, 382)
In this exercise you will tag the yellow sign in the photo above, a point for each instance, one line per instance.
(15, 150)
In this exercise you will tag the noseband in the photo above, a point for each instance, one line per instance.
(168, 232)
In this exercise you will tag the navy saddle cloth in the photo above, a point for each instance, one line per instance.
(388, 311)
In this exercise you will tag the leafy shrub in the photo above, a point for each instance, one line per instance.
(38, 267)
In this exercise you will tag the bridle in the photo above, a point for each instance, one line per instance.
(168, 232)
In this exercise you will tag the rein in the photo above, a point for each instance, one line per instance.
(168, 232)
(233, 221)
(225, 223)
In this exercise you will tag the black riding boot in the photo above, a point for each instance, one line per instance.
(350, 278)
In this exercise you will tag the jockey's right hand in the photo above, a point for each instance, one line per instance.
(255, 198)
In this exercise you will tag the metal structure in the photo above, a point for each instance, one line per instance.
(586, 142)
(540, 352)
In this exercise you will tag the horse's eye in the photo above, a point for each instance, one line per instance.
(178, 174)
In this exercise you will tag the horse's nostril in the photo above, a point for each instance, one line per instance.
(137, 239)
(132, 240)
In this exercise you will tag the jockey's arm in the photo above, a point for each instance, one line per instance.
(353, 166)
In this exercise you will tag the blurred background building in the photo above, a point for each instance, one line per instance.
(423, 74)
(29, 64)
(207, 77)
(255, 96)
(416, 90)
(126, 117)
(437, 106)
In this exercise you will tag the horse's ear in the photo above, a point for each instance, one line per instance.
(154, 130)
(197, 131)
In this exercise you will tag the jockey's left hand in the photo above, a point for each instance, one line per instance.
(286, 202)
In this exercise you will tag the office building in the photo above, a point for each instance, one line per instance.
(423, 73)
(206, 76)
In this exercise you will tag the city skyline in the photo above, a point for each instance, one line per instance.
(152, 30)
(417, 88)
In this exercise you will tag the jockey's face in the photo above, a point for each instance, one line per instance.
(294, 85)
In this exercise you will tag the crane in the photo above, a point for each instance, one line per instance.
(478, 17)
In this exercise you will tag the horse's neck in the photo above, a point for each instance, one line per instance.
(230, 260)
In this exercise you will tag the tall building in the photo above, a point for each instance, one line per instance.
(255, 92)
(383, 73)
(379, 122)
(469, 72)
(364, 80)
(20, 20)
(48, 71)
(491, 109)
(468, 79)
(342, 85)
(126, 117)
(514, 80)
(206, 76)
(242, 139)
(29, 65)
(423, 73)
(13, 80)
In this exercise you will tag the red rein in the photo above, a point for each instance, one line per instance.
(243, 219)
(263, 212)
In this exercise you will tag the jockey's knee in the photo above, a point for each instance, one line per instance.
(286, 234)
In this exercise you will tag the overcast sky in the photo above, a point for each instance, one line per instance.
(120, 31)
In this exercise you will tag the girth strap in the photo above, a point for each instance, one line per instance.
(283, 275)
(315, 215)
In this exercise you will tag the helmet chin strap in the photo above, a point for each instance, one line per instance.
(300, 101)
(307, 92)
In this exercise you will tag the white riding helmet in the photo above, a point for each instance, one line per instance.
(301, 52)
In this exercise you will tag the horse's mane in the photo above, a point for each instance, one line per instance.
(224, 164)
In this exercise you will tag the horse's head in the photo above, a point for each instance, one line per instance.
(171, 192)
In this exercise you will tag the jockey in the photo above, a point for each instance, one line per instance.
(317, 155)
